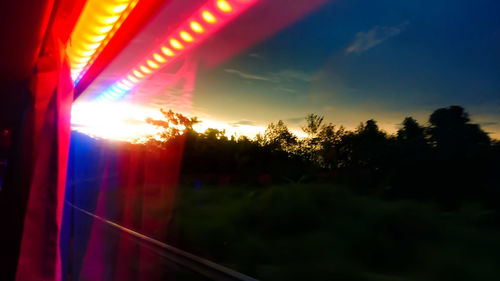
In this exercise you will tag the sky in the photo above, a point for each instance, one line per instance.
(354, 60)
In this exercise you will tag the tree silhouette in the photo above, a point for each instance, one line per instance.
(460, 162)
(411, 131)
(450, 128)
(278, 137)
(313, 125)
(448, 162)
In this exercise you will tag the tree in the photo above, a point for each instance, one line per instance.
(313, 125)
(330, 142)
(174, 125)
(450, 129)
(411, 130)
(461, 157)
(278, 137)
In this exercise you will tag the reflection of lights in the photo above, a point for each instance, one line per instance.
(196, 27)
(176, 44)
(186, 36)
(152, 64)
(132, 79)
(138, 74)
(167, 51)
(144, 69)
(224, 6)
(159, 58)
(210, 17)
(97, 23)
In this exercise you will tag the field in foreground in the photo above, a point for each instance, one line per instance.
(324, 232)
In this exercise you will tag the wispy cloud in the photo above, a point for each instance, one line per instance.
(283, 89)
(291, 75)
(375, 36)
(295, 120)
(246, 75)
(287, 75)
(243, 122)
(491, 123)
(255, 55)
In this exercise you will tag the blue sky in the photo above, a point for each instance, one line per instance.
(352, 60)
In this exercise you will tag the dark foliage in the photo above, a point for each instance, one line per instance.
(449, 162)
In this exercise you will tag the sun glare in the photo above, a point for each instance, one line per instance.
(127, 122)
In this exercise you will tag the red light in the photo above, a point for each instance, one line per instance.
(173, 45)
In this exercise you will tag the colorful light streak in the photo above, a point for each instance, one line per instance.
(209, 18)
(97, 24)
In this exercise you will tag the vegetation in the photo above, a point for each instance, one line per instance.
(422, 204)
(450, 162)
(341, 205)
(325, 232)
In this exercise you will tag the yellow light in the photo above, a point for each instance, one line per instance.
(167, 51)
(81, 53)
(208, 17)
(137, 73)
(118, 9)
(98, 38)
(110, 20)
(159, 58)
(96, 24)
(78, 65)
(176, 44)
(152, 64)
(196, 27)
(224, 6)
(104, 29)
(93, 46)
(132, 78)
(186, 36)
(144, 69)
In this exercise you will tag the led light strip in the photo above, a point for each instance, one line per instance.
(206, 20)
(98, 22)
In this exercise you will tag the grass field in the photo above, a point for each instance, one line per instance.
(325, 232)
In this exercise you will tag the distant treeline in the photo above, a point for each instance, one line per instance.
(449, 162)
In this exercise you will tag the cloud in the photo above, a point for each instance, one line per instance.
(491, 123)
(295, 120)
(375, 36)
(291, 75)
(289, 90)
(243, 122)
(255, 55)
(247, 75)
(287, 75)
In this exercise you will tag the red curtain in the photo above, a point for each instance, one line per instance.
(47, 132)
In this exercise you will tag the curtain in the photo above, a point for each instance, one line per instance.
(46, 139)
